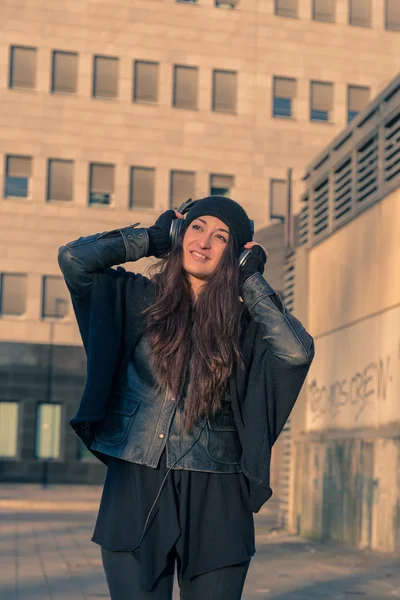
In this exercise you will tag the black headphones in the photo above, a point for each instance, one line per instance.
(177, 226)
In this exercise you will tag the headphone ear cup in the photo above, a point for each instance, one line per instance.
(243, 256)
(175, 231)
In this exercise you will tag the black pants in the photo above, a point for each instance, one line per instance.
(122, 570)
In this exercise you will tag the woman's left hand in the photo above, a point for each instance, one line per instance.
(249, 245)
(254, 263)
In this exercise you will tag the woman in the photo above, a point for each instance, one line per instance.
(191, 375)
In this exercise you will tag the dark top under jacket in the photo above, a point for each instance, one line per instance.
(205, 517)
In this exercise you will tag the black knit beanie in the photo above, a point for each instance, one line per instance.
(229, 211)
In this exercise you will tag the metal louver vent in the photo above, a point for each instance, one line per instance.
(367, 168)
(302, 235)
(342, 189)
(320, 206)
(392, 148)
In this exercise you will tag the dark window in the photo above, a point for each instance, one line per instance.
(393, 15)
(324, 10)
(64, 72)
(185, 87)
(221, 185)
(142, 187)
(286, 8)
(224, 91)
(9, 429)
(358, 98)
(226, 3)
(278, 199)
(13, 293)
(321, 101)
(22, 67)
(59, 180)
(187, 1)
(101, 183)
(55, 297)
(105, 77)
(48, 430)
(360, 13)
(182, 187)
(284, 95)
(145, 81)
(18, 174)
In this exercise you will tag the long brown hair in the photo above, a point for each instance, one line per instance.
(196, 344)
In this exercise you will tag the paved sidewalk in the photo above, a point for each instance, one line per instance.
(46, 553)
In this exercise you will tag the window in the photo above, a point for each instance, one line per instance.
(13, 293)
(187, 1)
(9, 429)
(286, 8)
(226, 3)
(221, 185)
(105, 77)
(284, 94)
(358, 98)
(55, 297)
(18, 174)
(185, 87)
(224, 91)
(48, 430)
(101, 183)
(145, 78)
(360, 13)
(321, 101)
(182, 187)
(59, 180)
(22, 67)
(142, 187)
(393, 15)
(324, 10)
(64, 72)
(278, 203)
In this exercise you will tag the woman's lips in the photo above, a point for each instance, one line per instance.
(198, 256)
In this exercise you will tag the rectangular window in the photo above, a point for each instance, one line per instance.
(321, 101)
(145, 78)
(9, 429)
(12, 293)
(393, 15)
(224, 91)
(358, 98)
(105, 77)
(278, 199)
(64, 72)
(59, 180)
(18, 174)
(101, 183)
(48, 430)
(226, 3)
(284, 95)
(182, 187)
(186, 1)
(221, 185)
(286, 8)
(55, 297)
(324, 10)
(360, 13)
(22, 67)
(142, 187)
(185, 87)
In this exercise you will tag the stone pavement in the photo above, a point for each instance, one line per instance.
(46, 553)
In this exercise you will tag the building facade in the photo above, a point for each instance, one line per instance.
(112, 112)
(345, 477)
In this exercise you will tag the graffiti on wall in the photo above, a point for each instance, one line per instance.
(358, 391)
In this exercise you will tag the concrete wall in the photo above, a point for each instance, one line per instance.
(346, 470)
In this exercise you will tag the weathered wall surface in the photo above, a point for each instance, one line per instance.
(346, 458)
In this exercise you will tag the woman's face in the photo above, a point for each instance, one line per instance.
(204, 243)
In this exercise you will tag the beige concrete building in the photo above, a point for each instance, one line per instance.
(345, 478)
(111, 112)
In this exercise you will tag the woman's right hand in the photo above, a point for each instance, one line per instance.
(159, 233)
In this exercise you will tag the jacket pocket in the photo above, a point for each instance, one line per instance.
(117, 420)
(223, 443)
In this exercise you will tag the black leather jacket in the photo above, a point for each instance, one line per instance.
(139, 424)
